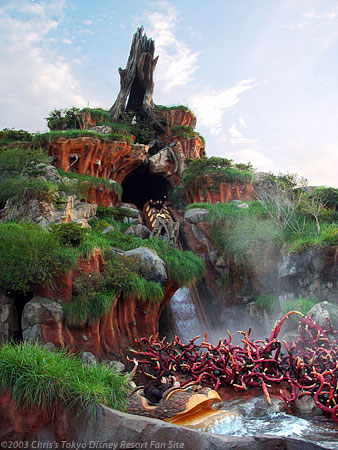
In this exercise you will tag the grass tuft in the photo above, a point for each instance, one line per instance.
(35, 377)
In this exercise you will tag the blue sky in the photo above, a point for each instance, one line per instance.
(260, 75)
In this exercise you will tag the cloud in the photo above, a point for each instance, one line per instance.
(33, 79)
(320, 169)
(177, 62)
(311, 18)
(212, 104)
(261, 162)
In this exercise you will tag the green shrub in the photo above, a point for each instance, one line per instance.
(94, 294)
(35, 377)
(254, 242)
(216, 169)
(183, 267)
(267, 302)
(101, 225)
(303, 243)
(19, 160)
(63, 119)
(301, 304)
(8, 135)
(22, 189)
(329, 235)
(117, 214)
(29, 255)
(71, 233)
(328, 195)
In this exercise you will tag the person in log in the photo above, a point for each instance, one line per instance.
(154, 389)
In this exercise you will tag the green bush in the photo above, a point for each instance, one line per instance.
(29, 255)
(8, 135)
(63, 119)
(301, 304)
(22, 189)
(267, 302)
(118, 214)
(21, 161)
(94, 294)
(35, 377)
(71, 234)
(328, 195)
(216, 169)
(329, 235)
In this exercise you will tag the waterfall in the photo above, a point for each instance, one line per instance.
(185, 315)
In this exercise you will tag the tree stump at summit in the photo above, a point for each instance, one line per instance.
(136, 81)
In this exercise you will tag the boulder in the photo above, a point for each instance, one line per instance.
(196, 215)
(108, 230)
(36, 313)
(88, 359)
(307, 406)
(301, 272)
(321, 311)
(139, 231)
(152, 266)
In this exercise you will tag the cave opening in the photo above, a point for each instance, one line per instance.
(141, 185)
(15, 305)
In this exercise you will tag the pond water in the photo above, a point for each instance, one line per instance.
(254, 416)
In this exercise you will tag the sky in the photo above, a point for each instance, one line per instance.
(261, 76)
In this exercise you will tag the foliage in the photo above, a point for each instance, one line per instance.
(183, 267)
(289, 181)
(71, 234)
(301, 304)
(35, 377)
(43, 139)
(177, 197)
(8, 135)
(328, 195)
(29, 255)
(117, 214)
(100, 225)
(95, 293)
(329, 235)
(216, 169)
(267, 302)
(252, 241)
(183, 130)
(22, 189)
(313, 206)
(171, 107)
(143, 129)
(63, 119)
(85, 182)
(282, 207)
(21, 161)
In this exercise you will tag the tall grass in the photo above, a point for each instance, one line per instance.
(30, 255)
(35, 377)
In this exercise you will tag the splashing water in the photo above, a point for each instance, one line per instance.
(255, 418)
(185, 316)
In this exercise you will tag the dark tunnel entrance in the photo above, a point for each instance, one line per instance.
(141, 186)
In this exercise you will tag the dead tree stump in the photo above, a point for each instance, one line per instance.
(136, 81)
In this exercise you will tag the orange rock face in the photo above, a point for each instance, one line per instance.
(176, 116)
(221, 193)
(112, 160)
(113, 334)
